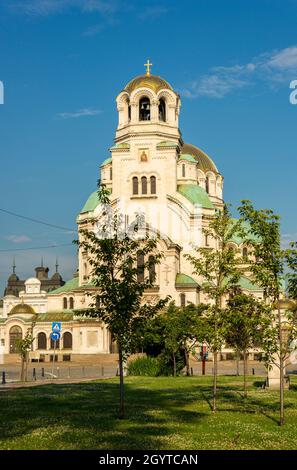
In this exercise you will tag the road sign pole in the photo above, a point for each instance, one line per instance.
(54, 358)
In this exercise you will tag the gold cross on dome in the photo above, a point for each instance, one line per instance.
(148, 65)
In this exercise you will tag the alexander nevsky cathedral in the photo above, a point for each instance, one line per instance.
(177, 187)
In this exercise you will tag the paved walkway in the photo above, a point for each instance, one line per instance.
(37, 383)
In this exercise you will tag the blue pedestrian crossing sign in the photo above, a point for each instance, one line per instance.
(55, 335)
(56, 326)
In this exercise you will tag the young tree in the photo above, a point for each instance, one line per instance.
(218, 266)
(244, 323)
(263, 237)
(292, 275)
(23, 347)
(123, 260)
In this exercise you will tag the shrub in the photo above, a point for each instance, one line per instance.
(149, 366)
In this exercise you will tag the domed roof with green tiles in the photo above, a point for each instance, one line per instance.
(185, 280)
(188, 158)
(91, 204)
(106, 161)
(196, 195)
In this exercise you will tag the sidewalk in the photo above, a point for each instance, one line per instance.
(36, 383)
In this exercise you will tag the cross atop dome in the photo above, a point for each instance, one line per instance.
(148, 65)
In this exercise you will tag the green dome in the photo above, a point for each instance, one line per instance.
(196, 195)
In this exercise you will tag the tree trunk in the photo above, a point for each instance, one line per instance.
(215, 377)
(22, 369)
(174, 365)
(281, 372)
(26, 367)
(187, 363)
(245, 371)
(237, 362)
(122, 408)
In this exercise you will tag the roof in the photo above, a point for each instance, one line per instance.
(167, 143)
(123, 145)
(185, 280)
(237, 238)
(205, 163)
(247, 284)
(92, 203)
(68, 286)
(188, 158)
(63, 315)
(196, 195)
(153, 82)
(106, 161)
(22, 308)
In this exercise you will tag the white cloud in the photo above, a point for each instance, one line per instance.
(79, 113)
(273, 69)
(152, 12)
(54, 7)
(18, 238)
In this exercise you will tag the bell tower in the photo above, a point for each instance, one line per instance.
(147, 139)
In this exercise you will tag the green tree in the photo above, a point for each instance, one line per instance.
(23, 347)
(292, 275)
(244, 323)
(219, 268)
(268, 267)
(113, 249)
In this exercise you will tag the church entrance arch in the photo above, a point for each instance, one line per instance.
(15, 334)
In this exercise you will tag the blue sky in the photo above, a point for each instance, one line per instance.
(64, 61)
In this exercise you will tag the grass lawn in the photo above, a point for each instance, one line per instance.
(162, 413)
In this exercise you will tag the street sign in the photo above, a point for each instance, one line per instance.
(55, 335)
(56, 326)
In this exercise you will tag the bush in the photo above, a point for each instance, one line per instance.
(149, 366)
(154, 366)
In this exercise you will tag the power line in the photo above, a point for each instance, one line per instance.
(36, 221)
(36, 247)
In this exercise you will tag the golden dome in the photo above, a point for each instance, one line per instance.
(21, 309)
(205, 163)
(153, 82)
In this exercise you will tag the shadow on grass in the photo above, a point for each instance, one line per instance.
(86, 416)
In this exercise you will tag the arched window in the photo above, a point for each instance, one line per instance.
(152, 269)
(65, 302)
(207, 185)
(182, 300)
(245, 253)
(67, 340)
(183, 170)
(144, 109)
(144, 185)
(110, 173)
(15, 335)
(140, 267)
(129, 113)
(162, 110)
(71, 302)
(41, 341)
(153, 185)
(135, 185)
(53, 346)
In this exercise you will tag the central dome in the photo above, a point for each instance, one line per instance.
(153, 82)
(205, 163)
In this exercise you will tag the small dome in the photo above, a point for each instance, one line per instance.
(153, 82)
(13, 277)
(22, 308)
(56, 277)
(205, 163)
